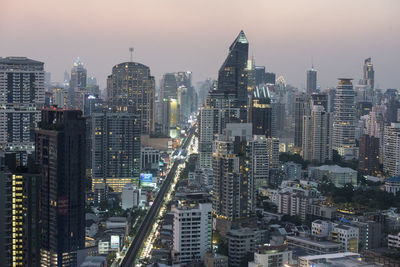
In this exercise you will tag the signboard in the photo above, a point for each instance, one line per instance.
(146, 178)
(114, 242)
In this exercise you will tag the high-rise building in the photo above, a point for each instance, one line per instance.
(344, 125)
(60, 143)
(131, 88)
(21, 98)
(317, 130)
(115, 148)
(232, 185)
(232, 76)
(260, 112)
(391, 149)
(369, 73)
(369, 155)
(302, 108)
(192, 230)
(77, 85)
(169, 86)
(311, 81)
(19, 213)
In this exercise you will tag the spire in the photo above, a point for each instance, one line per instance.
(240, 39)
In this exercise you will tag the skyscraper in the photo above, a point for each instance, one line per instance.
(115, 148)
(302, 108)
(131, 88)
(60, 150)
(19, 213)
(369, 73)
(311, 81)
(232, 184)
(169, 86)
(344, 124)
(77, 85)
(369, 155)
(260, 112)
(21, 98)
(317, 130)
(232, 76)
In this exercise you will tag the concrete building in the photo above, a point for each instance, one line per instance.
(130, 197)
(335, 259)
(292, 170)
(313, 246)
(339, 176)
(392, 185)
(302, 108)
(21, 97)
(347, 236)
(344, 123)
(317, 130)
(192, 229)
(215, 260)
(394, 241)
(115, 148)
(271, 256)
(131, 88)
(391, 149)
(369, 154)
(240, 242)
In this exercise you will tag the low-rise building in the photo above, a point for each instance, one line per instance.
(339, 176)
(394, 240)
(215, 260)
(271, 256)
(392, 185)
(335, 259)
(313, 245)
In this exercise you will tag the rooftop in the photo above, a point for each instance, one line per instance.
(395, 179)
(335, 168)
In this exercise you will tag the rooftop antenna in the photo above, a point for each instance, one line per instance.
(131, 51)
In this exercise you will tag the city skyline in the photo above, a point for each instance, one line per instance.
(283, 39)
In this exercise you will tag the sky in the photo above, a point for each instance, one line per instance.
(286, 36)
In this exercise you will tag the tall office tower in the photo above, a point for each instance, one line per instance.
(344, 124)
(115, 146)
(192, 230)
(169, 86)
(302, 108)
(184, 103)
(251, 75)
(19, 213)
(232, 76)
(317, 130)
(77, 85)
(369, 155)
(391, 149)
(173, 118)
(131, 88)
(21, 98)
(270, 77)
(260, 75)
(231, 172)
(369, 73)
(311, 81)
(60, 150)
(163, 116)
(278, 118)
(260, 112)
(184, 78)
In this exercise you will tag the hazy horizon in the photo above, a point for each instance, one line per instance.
(177, 35)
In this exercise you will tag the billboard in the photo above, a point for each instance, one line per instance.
(146, 179)
(114, 242)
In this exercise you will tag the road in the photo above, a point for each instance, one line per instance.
(131, 254)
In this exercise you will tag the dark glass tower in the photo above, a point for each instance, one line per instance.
(60, 143)
(232, 76)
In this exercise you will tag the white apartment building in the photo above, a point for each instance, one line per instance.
(192, 230)
(271, 256)
(391, 149)
(130, 197)
(348, 236)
